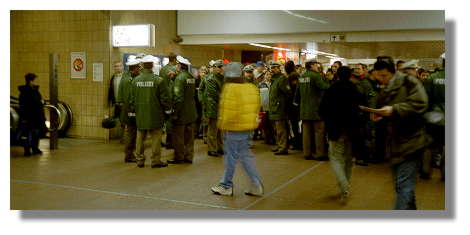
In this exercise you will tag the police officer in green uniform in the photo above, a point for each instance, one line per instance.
(149, 100)
(167, 73)
(364, 144)
(124, 98)
(279, 93)
(184, 113)
(249, 75)
(214, 83)
(435, 87)
(308, 94)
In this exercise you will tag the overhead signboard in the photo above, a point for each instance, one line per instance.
(137, 35)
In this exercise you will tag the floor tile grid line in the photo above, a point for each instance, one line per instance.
(282, 186)
(122, 194)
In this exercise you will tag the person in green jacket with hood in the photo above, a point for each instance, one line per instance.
(214, 83)
(124, 98)
(279, 94)
(184, 113)
(149, 99)
(308, 94)
(167, 73)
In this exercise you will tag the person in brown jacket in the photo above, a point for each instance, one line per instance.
(402, 104)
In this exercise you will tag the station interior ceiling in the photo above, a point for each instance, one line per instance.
(358, 50)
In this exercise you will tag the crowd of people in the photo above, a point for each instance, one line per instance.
(389, 112)
(385, 112)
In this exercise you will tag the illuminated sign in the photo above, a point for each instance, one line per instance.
(138, 35)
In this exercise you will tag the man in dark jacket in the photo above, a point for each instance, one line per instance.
(279, 95)
(184, 115)
(340, 110)
(214, 83)
(150, 99)
(31, 112)
(308, 95)
(403, 102)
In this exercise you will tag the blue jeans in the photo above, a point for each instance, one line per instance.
(236, 147)
(405, 176)
(340, 153)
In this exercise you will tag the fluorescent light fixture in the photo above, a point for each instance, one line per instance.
(305, 17)
(306, 51)
(137, 35)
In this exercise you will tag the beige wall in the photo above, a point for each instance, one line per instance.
(35, 34)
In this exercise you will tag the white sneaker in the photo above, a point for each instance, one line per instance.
(344, 198)
(220, 190)
(255, 190)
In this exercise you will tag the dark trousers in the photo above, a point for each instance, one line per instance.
(296, 140)
(32, 141)
(183, 141)
(129, 141)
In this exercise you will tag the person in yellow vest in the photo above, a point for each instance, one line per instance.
(238, 109)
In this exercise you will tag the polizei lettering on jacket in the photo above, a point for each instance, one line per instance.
(440, 81)
(304, 80)
(144, 84)
(191, 81)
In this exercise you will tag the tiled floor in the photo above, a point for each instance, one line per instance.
(91, 175)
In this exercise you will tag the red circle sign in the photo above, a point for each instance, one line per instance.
(78, 64)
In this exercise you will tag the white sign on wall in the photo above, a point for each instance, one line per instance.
(138, 35)
(97, 72)
(78, 65)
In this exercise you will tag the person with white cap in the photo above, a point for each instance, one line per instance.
(308, 95)
(279, 93)
(124, 99)
(184, 114)
(238, 109)
(410, 68)
(168, 73)
(212, 91)
(248, 74)
(149, 99)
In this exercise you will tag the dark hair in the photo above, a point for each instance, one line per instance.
(289, 67)
(339, 63)
(400, 62)
(29, 77)
(387, 59)
(184, 67)
(381, 64)
(329, 70)
(364, 67)
(344, 73)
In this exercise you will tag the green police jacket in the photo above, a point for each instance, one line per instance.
(436, 90)
(309, 93)
(165, 69)
(279, 94)
(184, 104)
(124, 96)
(150, 99)
(214, 83)
(368, 92)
